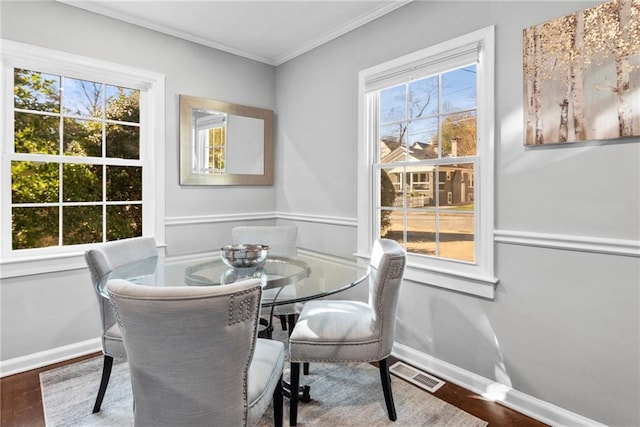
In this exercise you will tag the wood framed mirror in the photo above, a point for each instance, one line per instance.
(224, 144)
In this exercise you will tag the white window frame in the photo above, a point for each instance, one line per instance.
(476, 278)
(14, 263)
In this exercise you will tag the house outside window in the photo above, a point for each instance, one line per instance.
(80, 153)
(426, 129)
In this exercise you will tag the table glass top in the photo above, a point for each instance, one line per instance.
(304, 277)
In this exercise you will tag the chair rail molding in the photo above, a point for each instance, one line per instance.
(600, 245)
(172, 221)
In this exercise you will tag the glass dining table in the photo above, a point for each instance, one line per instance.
(291, 280)
(310, 277)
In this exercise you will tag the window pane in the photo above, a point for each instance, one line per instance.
(124, 221)
(36, 91)
(393, 104)
(456, 235)
(423, 97)
(391, 225)
(35, 133)
(459, 134)
(424, 133)
(421, 236)
(124, 183)
(34, 227)
(76, 150)
(81, 183)
(388, 188)
(82, 98)
(392, 139)
(459, 89)
(81, 224)
(34, 182)
(421, 190)
(456, 186)
(82, 138)
(123, 104)
(123, 142)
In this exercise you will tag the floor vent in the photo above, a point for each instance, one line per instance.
(416, 377)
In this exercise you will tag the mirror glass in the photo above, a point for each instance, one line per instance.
(224, 144)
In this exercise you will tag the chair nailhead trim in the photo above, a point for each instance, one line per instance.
(240, 311)
(396, 268)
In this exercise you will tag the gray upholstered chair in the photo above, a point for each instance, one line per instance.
(352, 331)
(194, 355)
(282, 242)
(101, 261)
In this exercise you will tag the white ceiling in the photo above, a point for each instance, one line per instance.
(268, 31)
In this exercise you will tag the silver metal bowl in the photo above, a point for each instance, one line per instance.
(244, 255)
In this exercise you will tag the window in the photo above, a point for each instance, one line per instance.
(76, 174)
(81, 150)
(210, 154)
(426, 129)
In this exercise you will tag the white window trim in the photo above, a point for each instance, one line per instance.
(15, 54)
(473, 278)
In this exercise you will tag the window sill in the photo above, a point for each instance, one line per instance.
(44, 264)
(473, 284)
(47, 263)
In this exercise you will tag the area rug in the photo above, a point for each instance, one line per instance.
(342, 395)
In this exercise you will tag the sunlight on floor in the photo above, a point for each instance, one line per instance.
(496, 392)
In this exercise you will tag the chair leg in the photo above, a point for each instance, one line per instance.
(283, 322)
(292, 323)
(277, 404)
(293, 399)
(383, 365)
(104, 382)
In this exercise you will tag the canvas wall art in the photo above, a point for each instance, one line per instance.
(582, 76)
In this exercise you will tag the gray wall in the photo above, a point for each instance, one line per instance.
(564, 325)
(42, 312)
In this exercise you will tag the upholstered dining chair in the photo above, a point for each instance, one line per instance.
(194, 356)
(352, 331)
(282, 241)
(101, 261)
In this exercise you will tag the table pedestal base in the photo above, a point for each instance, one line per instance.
(304, 392)
(267, 331)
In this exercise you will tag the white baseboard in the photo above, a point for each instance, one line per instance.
(518, 401)
(48, 357)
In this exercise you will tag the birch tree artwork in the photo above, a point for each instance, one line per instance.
(582, 75)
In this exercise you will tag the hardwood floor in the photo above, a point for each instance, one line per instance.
(21, 401)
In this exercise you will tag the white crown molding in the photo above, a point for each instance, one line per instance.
(528, 405)
(95, 8)
(343, 29)
(275, 61)
(600, 245)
